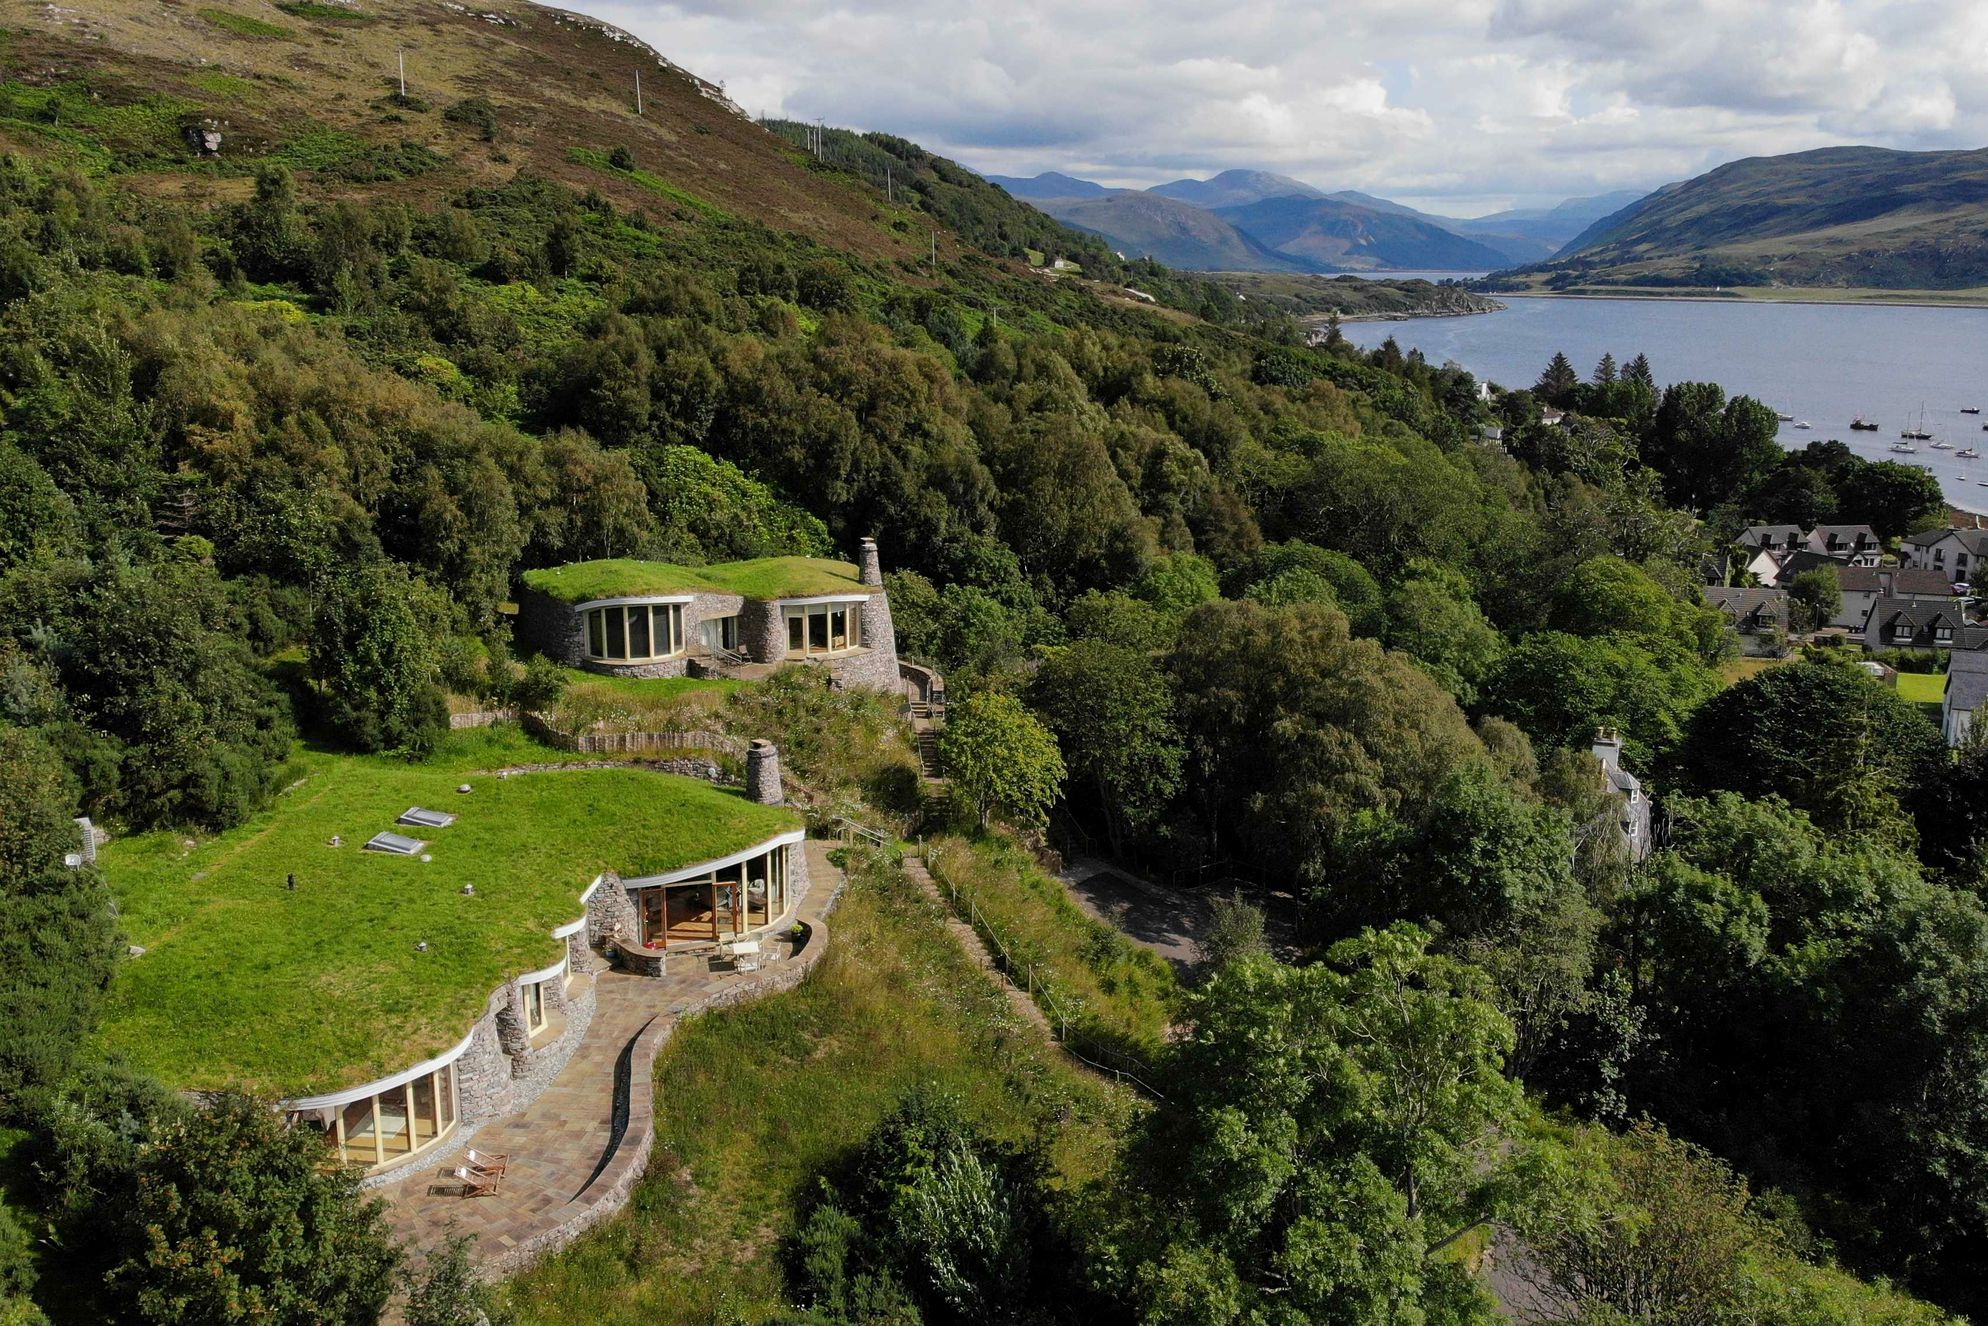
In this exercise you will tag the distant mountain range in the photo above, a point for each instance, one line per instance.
(1838, 216)
(1257, 221)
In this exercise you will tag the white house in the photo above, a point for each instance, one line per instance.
(1967, 690)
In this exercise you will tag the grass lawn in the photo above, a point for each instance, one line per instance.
(762, 578)
(1738, 670)
(755, 1101)
(246, 983)
(1121, 994)
(1922, 687)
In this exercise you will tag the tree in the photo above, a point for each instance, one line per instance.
(1892, 497)
(58, 932)
(1434, 620)
(1557, 384)
(1814, 597)
(1708, 448)
(449, 1291)
(1287, 573)
(1827, 737)
(931, 1220)
(1001, 758)
(1327, 1130)
(1295, 729)
(1111, 711)
(1559, 688)
(1674, 1246)
(372, 655)
(235, 1217)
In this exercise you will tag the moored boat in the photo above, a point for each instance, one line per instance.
(1862, 425)
(1968, 453)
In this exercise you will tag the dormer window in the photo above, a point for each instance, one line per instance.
(1943, 633)
(1902, 631)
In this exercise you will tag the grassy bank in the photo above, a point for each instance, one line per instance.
(1118, 993)
(754, 1101)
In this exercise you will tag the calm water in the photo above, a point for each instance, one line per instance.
(1822, 363)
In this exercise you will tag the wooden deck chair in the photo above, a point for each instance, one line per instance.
(477, 1185)
(484, 1163)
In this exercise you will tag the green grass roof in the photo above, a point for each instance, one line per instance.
(244, 983)
(761, 578)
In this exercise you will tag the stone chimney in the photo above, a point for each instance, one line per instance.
(1608, 748)
(871, 566)
(763, 773)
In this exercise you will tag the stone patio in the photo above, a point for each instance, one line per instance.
(577, 1150)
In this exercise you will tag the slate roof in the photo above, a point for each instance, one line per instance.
(1923, 581)
(1967, 680)
(1770, 536)
(1749, 609)
(1975, 541)
(1847, 537)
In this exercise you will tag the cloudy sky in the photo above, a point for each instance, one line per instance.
(1462, 106)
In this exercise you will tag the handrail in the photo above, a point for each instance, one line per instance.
(1055, 1009)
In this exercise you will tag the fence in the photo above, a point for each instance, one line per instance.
(1075, 1039)
(632, 743)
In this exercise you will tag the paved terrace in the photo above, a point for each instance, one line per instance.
(578, 1149)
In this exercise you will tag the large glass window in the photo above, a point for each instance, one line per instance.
(534, 1008)
(720, 905)
(823, 628)
(635, 632)
(721, 632)
(396, 1122)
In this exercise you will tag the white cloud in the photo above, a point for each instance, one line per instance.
(1455, 105)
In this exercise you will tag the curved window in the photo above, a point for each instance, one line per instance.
(393, 1123)
(723, 903)
(634, 632)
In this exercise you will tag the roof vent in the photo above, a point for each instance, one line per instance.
(426, 819)
(398, 844)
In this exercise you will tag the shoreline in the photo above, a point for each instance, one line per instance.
(1900, 300)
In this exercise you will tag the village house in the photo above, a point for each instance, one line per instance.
(1954, 552)
(1760, 616)
(1863, 586)
(1632, 820)
(1903, 623)
(1967, 691)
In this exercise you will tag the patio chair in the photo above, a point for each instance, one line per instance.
(477, 1185)
(484, 1163)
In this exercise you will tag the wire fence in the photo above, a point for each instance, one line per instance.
(1065, 1016)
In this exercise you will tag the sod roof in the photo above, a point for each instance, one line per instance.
(246, 983)
(761, 578)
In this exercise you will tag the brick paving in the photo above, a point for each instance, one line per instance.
(566, 1139)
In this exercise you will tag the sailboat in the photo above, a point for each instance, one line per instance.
(1968, 453)
(1918, 434)
(1904, 448)
(1943, 445)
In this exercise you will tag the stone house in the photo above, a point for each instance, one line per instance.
(738, 619)
(1632, 819)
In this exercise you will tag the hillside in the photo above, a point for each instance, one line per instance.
(1235, 188)
(1861, 217)
(1176, 233)
(1337, 236)
(1050, 184)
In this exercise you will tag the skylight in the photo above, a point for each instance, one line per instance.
(426, 819)
(399, 844)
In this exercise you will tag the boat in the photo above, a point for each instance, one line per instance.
(1918, 434)
(1943, 446)
(1805, 424)
(1789, 418)
(1970, 409)
(1862, 425)
(1968, 453)
(1904, 448)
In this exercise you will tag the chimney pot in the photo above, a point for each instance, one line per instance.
(763, 773)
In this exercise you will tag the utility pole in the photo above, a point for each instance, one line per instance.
(935, 253)
(638, 91)
(403, 72)
(889, 192)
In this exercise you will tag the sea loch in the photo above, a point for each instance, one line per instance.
(1824, 364)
